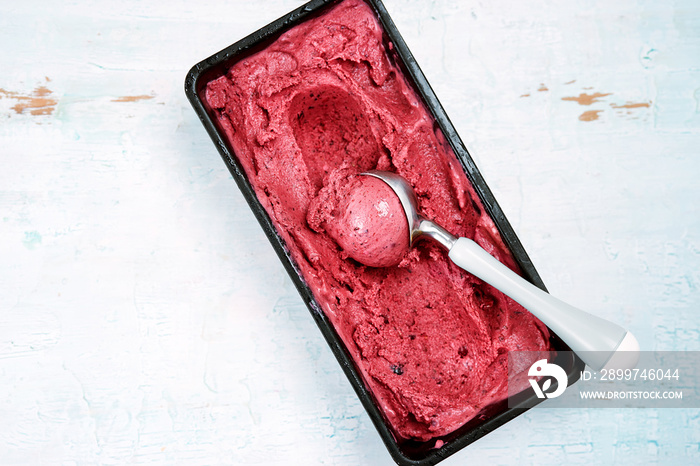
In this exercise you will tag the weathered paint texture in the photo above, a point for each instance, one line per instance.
(144, 318)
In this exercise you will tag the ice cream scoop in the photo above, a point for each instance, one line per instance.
(599, 342)
(369, 223)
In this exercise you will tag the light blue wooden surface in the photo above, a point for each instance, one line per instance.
(144, 318)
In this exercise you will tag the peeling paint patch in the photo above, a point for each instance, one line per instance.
(31, 239)
(571, 82)
(543, 88)
(590, 115)
(132, 98)
(632, 105)
(525, 95)
(586, 99)
(38, 102)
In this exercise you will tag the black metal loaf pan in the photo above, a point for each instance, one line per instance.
(406, 452)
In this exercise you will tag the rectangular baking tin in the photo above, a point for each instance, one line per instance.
(404, 453)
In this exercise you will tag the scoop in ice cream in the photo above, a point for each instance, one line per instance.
(365, 217)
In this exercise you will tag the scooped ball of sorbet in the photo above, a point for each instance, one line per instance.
(365, 218)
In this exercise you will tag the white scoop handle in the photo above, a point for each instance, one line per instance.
(601, 344)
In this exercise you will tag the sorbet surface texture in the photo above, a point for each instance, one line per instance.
(324, 102)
